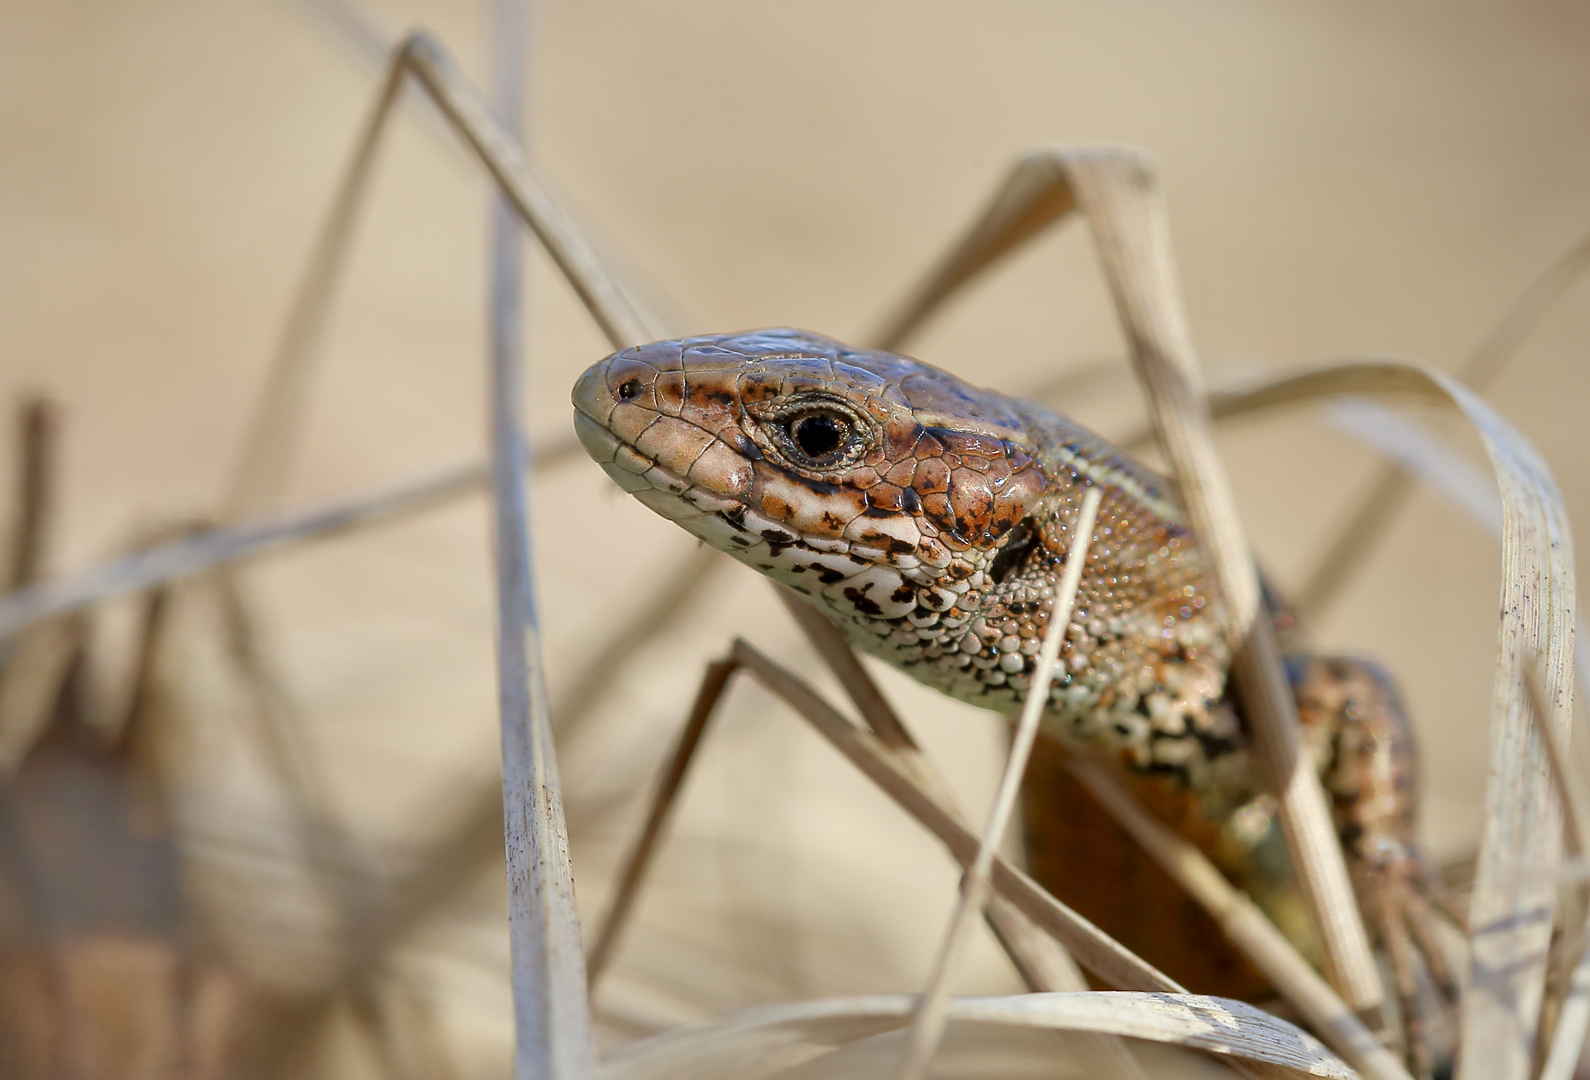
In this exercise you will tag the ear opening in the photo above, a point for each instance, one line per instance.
(1015, 550)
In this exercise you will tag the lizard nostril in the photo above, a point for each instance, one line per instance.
(629, 388)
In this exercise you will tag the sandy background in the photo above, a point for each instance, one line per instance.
(1341, 177)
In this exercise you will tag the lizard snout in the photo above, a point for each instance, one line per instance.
(616, 379)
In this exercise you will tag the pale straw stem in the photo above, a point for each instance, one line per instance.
(928, 1028)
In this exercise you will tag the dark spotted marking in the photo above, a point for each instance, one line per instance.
(863, 603)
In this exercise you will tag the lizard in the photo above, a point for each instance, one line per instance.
(930, 520)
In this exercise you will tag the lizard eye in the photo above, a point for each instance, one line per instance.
(820, 436)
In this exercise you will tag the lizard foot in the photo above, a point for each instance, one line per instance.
(1401, 896)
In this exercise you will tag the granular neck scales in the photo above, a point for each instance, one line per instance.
(930, 519)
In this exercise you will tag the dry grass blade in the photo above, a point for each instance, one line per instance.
(1573, 1019)
(1119, 193)
(894, 775)
(606, 300)
(1573, 1015)
(757, 1043)
(262, 463)
(1516, 870)
(1428, 460)
(552, 1017)
(273, 426)
(1363, 527)
(929, 1025)
(1041, 961)
(1421, 454)
(1246, 927)
(899, 771)
(1032, 197)
(896, 772)
(1415, 451)
(1570, 787)
(32, 667)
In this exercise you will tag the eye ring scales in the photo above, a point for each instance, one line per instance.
(815, 433)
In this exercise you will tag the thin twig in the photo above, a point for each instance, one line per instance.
(200, 551)
(634, 866)
(928, 1028)
(264, 457)
(35, 485)
(684, 585)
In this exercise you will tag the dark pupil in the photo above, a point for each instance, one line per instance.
(818, 436)
(630, 388)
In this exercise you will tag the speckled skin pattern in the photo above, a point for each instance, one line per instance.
(930, 519)
(936, 534)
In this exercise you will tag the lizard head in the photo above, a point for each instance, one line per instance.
(930, 518)
(877, 486)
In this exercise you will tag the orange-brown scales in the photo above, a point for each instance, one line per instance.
(930, 519)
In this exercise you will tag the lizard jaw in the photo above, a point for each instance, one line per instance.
(827, 571)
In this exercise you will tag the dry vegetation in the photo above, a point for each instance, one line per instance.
(247, 719)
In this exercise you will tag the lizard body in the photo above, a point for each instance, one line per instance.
(930, 519)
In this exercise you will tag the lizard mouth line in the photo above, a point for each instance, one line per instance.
(837, 568)
(639, 475)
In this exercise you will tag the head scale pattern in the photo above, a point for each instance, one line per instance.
(930, 518)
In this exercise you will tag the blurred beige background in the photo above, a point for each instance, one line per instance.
(1342, 177)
